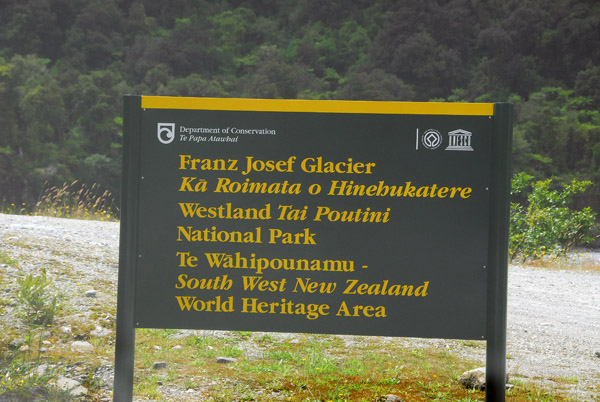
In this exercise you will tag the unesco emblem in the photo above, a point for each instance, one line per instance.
(431, 139)
(165, 132)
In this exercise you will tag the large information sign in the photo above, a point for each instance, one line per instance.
(304, 221)
(368, 218)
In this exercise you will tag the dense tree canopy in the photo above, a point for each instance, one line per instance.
(65, 64)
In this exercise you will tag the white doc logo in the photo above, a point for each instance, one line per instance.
(165, 132)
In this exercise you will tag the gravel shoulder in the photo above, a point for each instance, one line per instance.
(553, 329)
(553, 334)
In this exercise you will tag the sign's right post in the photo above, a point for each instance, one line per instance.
(498, 253)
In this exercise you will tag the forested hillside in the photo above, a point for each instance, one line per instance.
(65, 64)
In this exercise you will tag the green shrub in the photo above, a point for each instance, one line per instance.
(5, 259)
(545, 224)
(33, 294)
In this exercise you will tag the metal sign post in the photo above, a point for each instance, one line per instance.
(125, 332)
(498, 276)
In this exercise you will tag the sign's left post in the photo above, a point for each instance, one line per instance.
(125, 334)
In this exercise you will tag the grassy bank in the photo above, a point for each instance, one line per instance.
(267, 367)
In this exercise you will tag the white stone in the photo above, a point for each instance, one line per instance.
(74, 387)
(82, 346)
(475, 379)
(100, 331)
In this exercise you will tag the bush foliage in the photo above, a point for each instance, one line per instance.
(546, 224)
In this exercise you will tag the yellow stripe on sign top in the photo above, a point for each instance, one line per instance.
(318, 106)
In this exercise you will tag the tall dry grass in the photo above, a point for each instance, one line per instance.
(76, 200)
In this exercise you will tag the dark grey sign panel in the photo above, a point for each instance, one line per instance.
(372, 224)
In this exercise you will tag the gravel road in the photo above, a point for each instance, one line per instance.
(553, 334)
